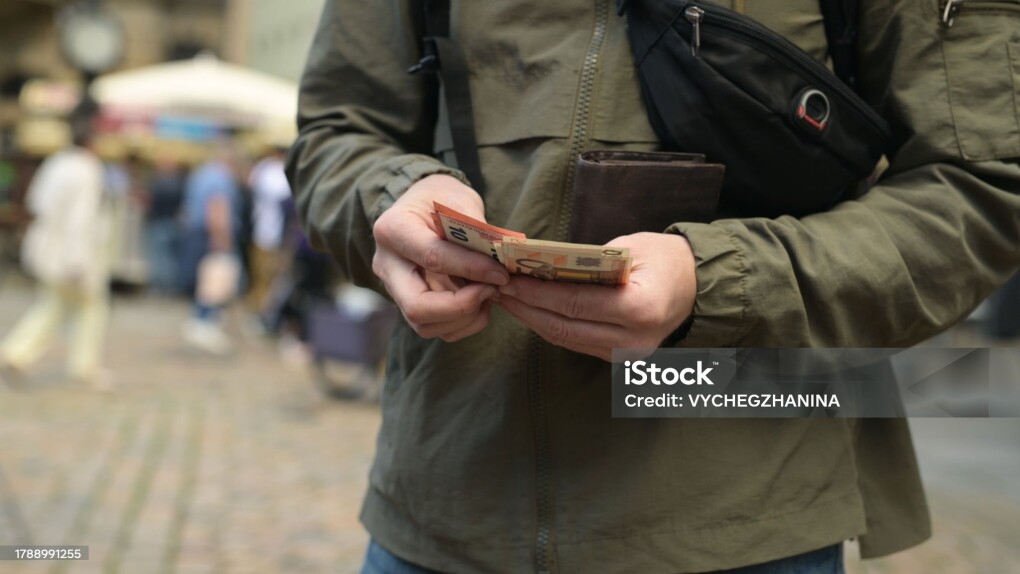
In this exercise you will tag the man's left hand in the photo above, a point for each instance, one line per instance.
(595, 319)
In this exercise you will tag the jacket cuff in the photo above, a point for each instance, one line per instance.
(417, 167)
(404, 173)
(721, 306)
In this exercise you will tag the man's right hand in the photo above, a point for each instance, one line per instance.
(424, 273)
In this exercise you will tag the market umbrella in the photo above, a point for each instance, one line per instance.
(202, 87)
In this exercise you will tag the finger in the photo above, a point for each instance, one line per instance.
(443, 329)
(573, 301)
(438, 282)
(417, 242)
(476, 326)
(563, 331)
(604, 353)
(423, 306)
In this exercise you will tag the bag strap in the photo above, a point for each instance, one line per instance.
(442, 57)
(841, 31)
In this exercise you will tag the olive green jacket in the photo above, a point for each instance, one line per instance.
(498, 453)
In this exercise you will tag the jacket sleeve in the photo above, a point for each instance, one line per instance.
(937, 233)
(365, 129)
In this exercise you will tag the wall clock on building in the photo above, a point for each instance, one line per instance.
(91, 39)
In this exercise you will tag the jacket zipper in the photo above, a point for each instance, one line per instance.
(700, 15)
(952, 8)
(545, 561)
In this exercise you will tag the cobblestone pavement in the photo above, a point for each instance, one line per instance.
(200, 465)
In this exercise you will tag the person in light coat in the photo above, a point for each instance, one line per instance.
(65, 250)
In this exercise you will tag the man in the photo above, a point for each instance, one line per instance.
(211, 212)
(166, 193)
(270, 199)
(497, 450)
(66, 249)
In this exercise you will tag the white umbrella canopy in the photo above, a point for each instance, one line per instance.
(201, 87)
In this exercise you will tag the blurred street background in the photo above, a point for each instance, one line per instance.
(232, 431)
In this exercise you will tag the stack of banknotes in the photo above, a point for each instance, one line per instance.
(548, 260)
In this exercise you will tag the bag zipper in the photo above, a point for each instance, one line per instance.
(700, 15)
(695, 16)
(953, 7)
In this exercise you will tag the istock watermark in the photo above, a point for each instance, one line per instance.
(915, 382)
(641, 372)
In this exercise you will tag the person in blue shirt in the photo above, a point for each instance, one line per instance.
(211, 221)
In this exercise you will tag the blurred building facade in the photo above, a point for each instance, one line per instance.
(266, 35)
(154, 31)
(275, 36)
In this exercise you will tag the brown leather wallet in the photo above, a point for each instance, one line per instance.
(622, 192)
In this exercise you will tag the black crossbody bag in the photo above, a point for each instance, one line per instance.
(794, 137)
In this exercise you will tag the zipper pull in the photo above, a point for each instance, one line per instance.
(695, 15)
(949, 13)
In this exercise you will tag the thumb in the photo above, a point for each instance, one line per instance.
(629, 241)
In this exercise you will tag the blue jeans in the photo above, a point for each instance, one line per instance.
(828, 560)
(164, 237)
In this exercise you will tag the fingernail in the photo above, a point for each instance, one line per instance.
(509, 289)
(497, 278)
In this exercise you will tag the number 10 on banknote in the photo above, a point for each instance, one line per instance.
(479, 236)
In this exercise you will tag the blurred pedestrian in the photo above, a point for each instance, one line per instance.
(245, 224)
(166, 193)
(212, 221)
(125, 195)
(305, 285)
(271, 198)
(66, 249)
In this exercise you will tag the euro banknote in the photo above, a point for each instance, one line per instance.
(548, 260)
